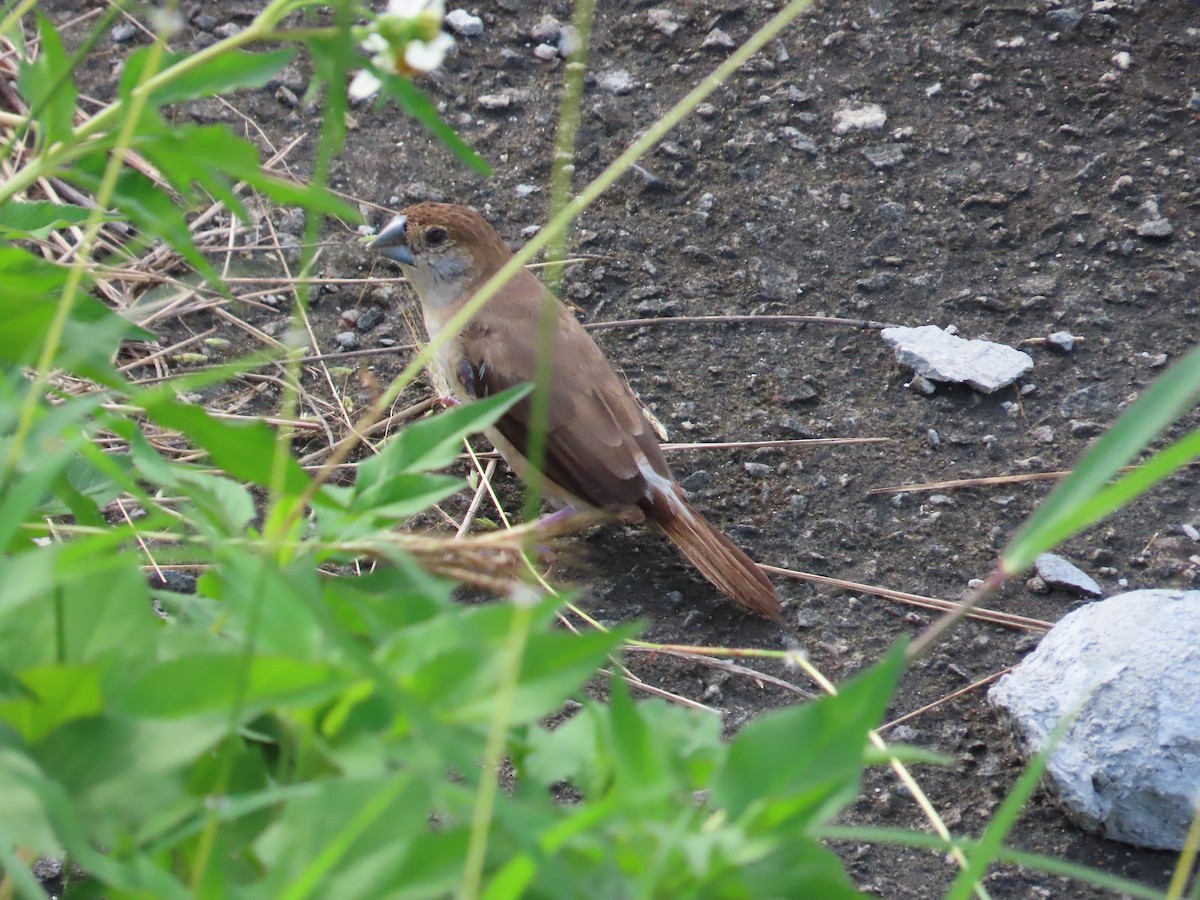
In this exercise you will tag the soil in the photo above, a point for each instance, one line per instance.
(1025, 144)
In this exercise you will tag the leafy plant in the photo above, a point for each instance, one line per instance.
(282, 730)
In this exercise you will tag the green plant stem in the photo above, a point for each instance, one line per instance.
(582, 201)
(931, 635)
(560, 185)
(15, 16)
(66, 302)
(485, 798)
(1187, 858)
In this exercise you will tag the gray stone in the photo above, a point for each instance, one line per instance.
(884, 156)
(1127, 669)
(859, 117)
(662, 20)
(1058, 572)
(546, 30)
(1064, 19)
(1061, 340)
(719, 39)
(1122, 187)
(495, 102)
(124, 33)
(347, 340)
(462, 22)
(615, 81)
(370, 319)
(1156, 228)
(940, 356)
(568, 41)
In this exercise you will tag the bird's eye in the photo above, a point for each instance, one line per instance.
(435, 237)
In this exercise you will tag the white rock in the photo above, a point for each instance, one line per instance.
(1060, 573)
(545, 52)
(568, 41)
(1128, 669)
(718, 38)
(939, 356)
(462, 22)
(615, 81)
(858, 117)
(662, 20)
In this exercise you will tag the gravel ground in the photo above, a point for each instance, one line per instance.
(1011, 170)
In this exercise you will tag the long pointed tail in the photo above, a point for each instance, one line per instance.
(717, 557)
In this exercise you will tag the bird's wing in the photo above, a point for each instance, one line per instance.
(598, 443)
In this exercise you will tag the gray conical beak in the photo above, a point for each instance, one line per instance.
(393, 241)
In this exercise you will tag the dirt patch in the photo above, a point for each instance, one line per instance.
(1032, 162)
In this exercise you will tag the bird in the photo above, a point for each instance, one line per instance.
(600, 453)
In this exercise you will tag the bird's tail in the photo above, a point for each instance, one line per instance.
(718, 558)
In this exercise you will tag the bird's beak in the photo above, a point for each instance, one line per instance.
(393, 241)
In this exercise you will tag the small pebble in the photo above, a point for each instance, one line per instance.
(1058, 572)
(859, 117)
(568, 41)
(884, 156)
(1156, 228)
(662, 20)
(1190, 530)
(546, 30)
(1061, 340)
(370, 319)
(1043, 434)
(1122, 187)
(757, 469)
(545, 52)
(615, 81)
(1064, 19)
(462, 22)
(123, 33)
(719, 39)
(347, 340)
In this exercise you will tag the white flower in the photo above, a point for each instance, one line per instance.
(406, 39)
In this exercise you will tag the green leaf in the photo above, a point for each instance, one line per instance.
(432, 443)
(246, 450)
(792, 763)
(47, 85)
(24, 820)
(36, 219)
(1059, 517)
(60, 694)
(32, 287)
(213, 157)
(142, 201)
(199, 684)
(417, 105)
(554, 666)
(124, 776)
(220, 74)
(388, 502)
(225, 505)
(345, 838)
(68, 604)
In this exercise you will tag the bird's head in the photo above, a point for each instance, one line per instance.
(444, 249)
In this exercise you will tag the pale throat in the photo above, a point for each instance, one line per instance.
(441, 282)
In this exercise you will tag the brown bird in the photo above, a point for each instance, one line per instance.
(600, 452)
